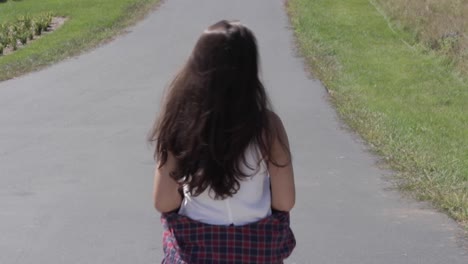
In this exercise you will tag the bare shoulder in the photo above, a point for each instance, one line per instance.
(274, 118)
(277, 126)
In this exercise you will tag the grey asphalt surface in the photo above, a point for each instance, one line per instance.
(76, 171)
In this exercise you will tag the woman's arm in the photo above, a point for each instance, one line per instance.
(283, 192)
(165, 193)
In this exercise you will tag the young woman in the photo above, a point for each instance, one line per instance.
(224, 180)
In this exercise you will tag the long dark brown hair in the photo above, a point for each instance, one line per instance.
(215, 107)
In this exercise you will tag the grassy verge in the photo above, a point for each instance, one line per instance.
(407, 103)
(89, 23)
(441, 25)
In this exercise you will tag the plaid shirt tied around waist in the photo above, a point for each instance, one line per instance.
(186, 241)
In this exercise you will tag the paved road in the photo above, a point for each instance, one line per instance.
(76, 172)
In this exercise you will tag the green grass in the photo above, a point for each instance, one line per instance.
(89, 23)
(405, 101)
(442, 25)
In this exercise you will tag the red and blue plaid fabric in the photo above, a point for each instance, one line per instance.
(186, 241)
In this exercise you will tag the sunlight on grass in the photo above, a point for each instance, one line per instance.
(407, 103)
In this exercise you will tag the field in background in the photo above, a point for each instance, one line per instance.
(407, 103)
(441, 25)
(89, 22)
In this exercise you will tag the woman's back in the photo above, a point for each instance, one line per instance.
(251, 203)
(223, 158)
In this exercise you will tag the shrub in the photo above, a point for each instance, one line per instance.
(13, 42)
(23, 37)
(37, 27)
(48, 19)
(45, 20)
(4, 35)
(24, 28)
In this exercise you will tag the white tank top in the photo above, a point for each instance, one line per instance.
(250, 204)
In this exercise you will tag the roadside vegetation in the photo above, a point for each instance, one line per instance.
(22, 31)
(410, 103)
(88, 23)
(440, 25)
